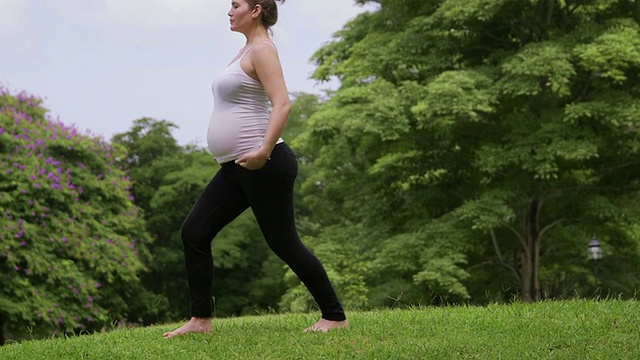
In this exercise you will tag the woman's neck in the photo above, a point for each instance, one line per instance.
(258, 34)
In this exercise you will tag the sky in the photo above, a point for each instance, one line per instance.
(101, 64)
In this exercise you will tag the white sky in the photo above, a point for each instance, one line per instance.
(100, 64)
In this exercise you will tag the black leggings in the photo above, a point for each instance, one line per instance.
(269, 193)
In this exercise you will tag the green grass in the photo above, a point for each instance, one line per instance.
(558, 330)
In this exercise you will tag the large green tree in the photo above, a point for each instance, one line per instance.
(153, 154)
(72, 245)
(480, 144)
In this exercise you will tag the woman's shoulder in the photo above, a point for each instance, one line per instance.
(265, 46)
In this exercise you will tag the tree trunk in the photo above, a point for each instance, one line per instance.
(1, 330)
(536, 268)
(535, 238)
(525, 278)
(530, 255)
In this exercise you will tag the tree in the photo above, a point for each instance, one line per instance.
(508, 128)
(154, 158)
(152, 152)
(73, 245)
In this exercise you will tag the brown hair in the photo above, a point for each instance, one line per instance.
(269, 11)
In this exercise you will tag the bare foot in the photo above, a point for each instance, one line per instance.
(195, 325)
(324, 325)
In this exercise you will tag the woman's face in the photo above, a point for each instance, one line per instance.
(240, 15)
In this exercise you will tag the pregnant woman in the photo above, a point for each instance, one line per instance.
(258, 169)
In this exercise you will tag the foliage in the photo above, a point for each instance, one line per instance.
(167, 179)
(72, 245)
(509, 129)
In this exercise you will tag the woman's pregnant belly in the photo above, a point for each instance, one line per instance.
(230, 136)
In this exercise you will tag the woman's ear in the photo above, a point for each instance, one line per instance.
(257, 10)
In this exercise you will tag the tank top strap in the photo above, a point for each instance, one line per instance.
(251, 48)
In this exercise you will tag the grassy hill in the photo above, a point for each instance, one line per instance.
(558, 330)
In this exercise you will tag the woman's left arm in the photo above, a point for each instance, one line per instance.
(268, 70)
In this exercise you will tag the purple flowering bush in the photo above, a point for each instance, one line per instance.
(71, 242)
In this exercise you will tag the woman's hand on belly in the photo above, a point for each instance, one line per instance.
(253, 160)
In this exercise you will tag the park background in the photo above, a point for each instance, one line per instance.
(468, 154)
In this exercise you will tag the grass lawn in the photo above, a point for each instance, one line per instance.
(556, 330)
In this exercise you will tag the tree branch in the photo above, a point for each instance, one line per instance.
(549, 15)
(491, 262)
(584, 91)
(495, 246)
(549, 227)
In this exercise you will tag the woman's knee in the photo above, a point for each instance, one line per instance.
(191, 238)
(285, 245)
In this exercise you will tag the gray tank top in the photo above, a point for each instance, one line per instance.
(241, 111)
